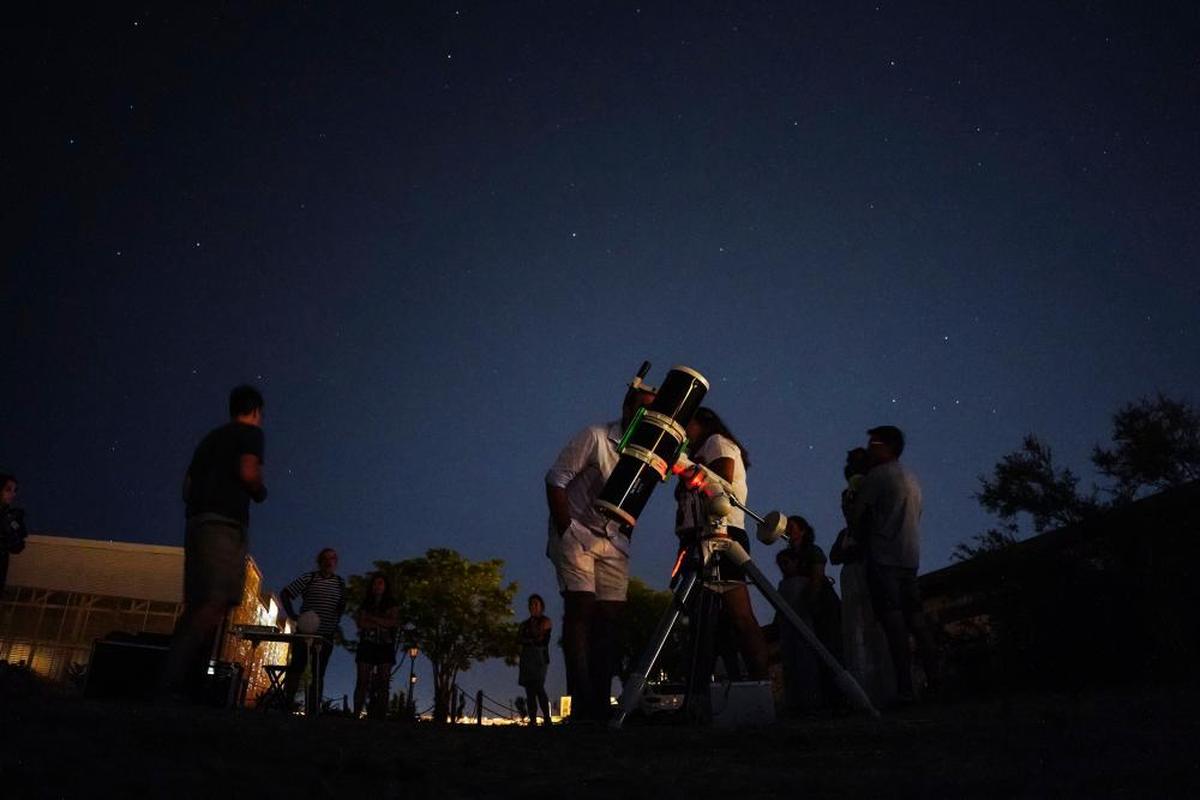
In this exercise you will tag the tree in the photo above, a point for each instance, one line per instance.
(993, 540)
(1157, 446)
(1026, 481)
(457, 611)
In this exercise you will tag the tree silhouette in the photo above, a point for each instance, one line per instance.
(1156, 446)
(990, 541)
(1026, 481)
(458, 612)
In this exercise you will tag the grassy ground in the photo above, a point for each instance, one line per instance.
(1128, 744)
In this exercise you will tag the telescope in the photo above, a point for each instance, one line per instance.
(652, 444)
(721, 499)
(653, 448)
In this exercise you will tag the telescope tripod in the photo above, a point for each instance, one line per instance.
(708, 552)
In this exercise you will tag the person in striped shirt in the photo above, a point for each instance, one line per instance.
(323, 592)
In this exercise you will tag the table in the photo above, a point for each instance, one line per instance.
(256, 635)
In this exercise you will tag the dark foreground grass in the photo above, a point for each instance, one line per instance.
(1122, 744)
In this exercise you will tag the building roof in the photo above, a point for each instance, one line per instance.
(93, 566)
(1172, 512)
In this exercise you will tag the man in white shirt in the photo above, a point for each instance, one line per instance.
(590, 554)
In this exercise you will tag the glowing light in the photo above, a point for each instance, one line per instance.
(678, 563)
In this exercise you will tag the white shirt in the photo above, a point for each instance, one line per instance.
(582, 468)
(715, 447)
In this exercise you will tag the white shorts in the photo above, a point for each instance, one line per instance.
(585, 562)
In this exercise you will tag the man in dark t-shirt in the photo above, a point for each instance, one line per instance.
(224, 475)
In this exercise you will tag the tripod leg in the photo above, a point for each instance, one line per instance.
(631, 692)
(845, 681)
(702, 655)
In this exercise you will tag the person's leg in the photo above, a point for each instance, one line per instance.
(322, 665)
(362, 681)
(297, 661)
(579, 609)
(726, 645)
(605, 646)
(214, 566)
(751, 642)
(896, 632)
(611, 570)
(574, 566)
(531, 704)
(918, 626)
(191, 645)
(213, 578)
(544, 699)
(381, 689)
(887, 601)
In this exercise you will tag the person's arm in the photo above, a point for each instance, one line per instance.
(341, 607)
(573, 459)
(250, 462)
(836, 553)
(12, 540)
(285, 598)
(251, 474)
(859, 519)
(560, 509)
(816, 579)
(293, 590)
(724, 467)
(718, 453)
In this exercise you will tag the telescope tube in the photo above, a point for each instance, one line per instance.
(651, 445)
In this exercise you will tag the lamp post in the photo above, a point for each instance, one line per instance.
(413, 652)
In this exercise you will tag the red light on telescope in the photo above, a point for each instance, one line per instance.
(678, 563)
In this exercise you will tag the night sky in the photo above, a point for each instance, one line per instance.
(441, 238)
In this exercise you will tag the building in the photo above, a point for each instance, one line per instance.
(1108, 600)
(65, 593)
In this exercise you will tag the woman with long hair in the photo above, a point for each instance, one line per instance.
(534, 637)
(715, 446)
(376, 654)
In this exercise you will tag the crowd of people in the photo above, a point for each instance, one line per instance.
(868, 627)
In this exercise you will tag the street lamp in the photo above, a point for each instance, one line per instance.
(413, 652)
